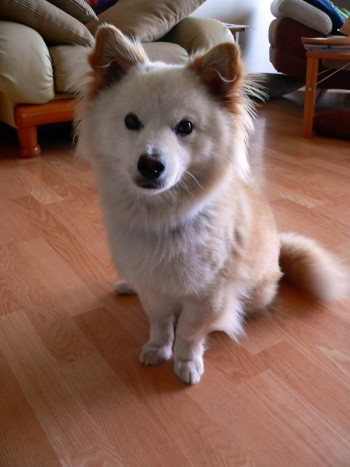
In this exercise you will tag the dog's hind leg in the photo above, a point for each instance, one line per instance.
(261, 297)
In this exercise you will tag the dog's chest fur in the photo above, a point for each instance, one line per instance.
(186, 260)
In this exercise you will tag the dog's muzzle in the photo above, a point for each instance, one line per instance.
(150, 167)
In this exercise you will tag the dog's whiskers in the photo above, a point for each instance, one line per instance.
(183, 185)
(195, 179)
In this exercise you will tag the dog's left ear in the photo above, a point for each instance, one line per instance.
(112, 57)
(220, 70)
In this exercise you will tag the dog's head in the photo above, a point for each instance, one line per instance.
(157, 129)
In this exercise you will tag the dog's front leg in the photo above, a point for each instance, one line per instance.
(193, 326)
(161, 315)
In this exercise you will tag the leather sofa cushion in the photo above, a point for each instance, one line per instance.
(286, 33)
(146, 20)
(53, 24)
(333, 122)
(288, 63)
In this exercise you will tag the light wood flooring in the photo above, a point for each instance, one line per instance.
(72, 390)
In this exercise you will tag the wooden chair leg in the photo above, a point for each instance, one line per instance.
(310, 92)
(28, 141)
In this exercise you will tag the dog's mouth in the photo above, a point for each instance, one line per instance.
(152, 186)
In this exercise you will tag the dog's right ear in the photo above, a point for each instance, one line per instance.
(112, 57)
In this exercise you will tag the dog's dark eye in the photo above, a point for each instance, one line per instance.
(184, 128)
(132, 122)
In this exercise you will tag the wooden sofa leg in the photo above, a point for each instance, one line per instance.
(28, 116)
(28, 141)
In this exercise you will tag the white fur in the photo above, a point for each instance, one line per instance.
(203, 247)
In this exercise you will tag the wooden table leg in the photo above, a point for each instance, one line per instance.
(310, 93)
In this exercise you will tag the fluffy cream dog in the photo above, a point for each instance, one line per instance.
(186, 228)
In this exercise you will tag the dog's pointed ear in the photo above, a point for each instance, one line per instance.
(220, 70)
(112, 57)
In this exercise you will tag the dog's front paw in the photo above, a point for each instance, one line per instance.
(189, 371)
(123, 288)
(153, 354)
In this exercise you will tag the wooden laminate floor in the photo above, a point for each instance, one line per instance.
(72, 390)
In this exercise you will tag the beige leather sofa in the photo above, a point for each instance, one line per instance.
(36, 68)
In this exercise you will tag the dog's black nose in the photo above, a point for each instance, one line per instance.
(150, 166)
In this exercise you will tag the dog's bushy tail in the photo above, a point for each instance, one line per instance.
(310, 267)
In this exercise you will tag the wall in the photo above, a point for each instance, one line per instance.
(254, 42)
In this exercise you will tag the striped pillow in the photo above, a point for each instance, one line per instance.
(79, 9)
(53, 24)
